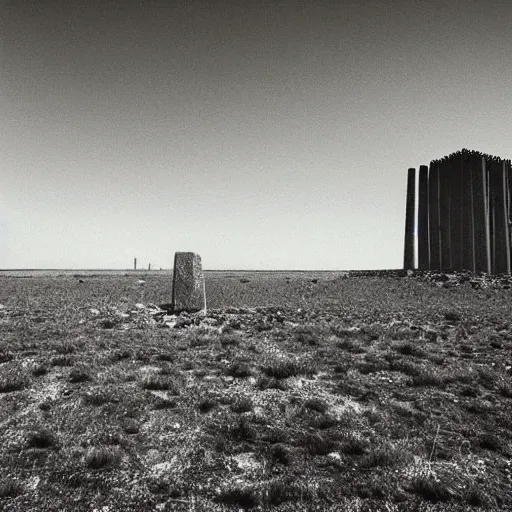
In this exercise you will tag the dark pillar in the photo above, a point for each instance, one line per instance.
(480, 213)
(444, 214)
(456, 211)
(134, 263)
(468, 245)
(423, 258)
(433, 217)
(500, 241)
(409, 220)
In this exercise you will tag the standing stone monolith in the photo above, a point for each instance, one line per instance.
(188, 290)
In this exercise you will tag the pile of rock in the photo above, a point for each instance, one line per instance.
(454, 279)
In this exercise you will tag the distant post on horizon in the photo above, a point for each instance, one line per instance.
(134, 263)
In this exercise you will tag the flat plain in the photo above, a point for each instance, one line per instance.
(296, 391)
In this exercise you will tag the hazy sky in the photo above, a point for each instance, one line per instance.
(262, 135)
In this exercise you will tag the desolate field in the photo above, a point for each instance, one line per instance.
(296, 392)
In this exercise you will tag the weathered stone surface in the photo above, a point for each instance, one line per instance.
(188, 291)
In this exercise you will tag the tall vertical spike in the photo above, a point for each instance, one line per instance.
(409, 244)
(444, 214)
(480, 213)
(468, 241)
(456, 211)
(433, 216)
(500, 243)
(423, 257)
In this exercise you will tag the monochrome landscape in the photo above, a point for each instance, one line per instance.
(293, 391)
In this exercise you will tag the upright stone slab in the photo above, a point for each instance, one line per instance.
(188, 291)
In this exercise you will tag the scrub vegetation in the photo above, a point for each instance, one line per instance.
(295, 392)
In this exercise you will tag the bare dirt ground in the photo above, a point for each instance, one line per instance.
(296, 392)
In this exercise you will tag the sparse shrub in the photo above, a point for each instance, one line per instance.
(198, 340)
(386, 456)
(470, 391)
(39, 369)
(64, 360)
(283, 369)
(265, 382)
(323, 422)
(13, 380)
(238, 369)
(109, 438)
(341, 368)
(351, 346)
(495, 342)
(488, 377)
(315, 404)
(490, 442)
(428, 377)
(479, 406)
(231, 340)
(406, 367)
(45, 406)
(430, 489)
(111, 323)
(155, 381)
(452, 316)
(226, 399)
(476, 497)
(505, 390)
(64, 347)
(207, 404)
(317, 444)
(245, 498)
(41, 437)
(165, 403)
(102, 457)
(367, 367)
(307, 335)
(80, 374)
(10, 488)
(280, 453)
(6, 356)
(242, 430)
(373, 332)
(96, 398)
(410, 349)
(165, 356)
(465, 377)
(244, 280)
(242, 405)
(353, 445)
(131, 426)
(119, 355)
(262, 326)
(284, 490)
